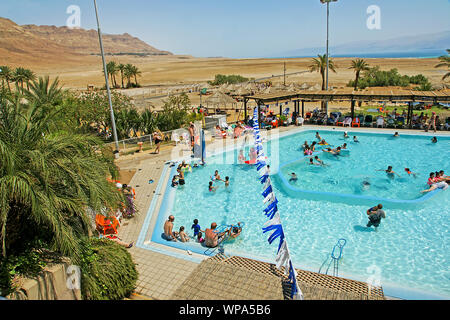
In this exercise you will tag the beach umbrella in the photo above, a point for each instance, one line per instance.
(219, 98)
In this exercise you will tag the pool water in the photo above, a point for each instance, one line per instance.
(410, 248)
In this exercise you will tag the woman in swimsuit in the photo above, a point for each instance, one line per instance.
(158, 138)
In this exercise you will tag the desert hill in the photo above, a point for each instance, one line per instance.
(30, 44)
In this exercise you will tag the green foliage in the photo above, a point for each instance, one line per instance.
(28, 264)
(48, 177)
(224, 79)
(174, 114)
(374, 77)
(108, 271)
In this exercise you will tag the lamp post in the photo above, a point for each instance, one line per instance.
(113, 121)
(328, 16)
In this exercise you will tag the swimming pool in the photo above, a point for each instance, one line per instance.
(409, 252)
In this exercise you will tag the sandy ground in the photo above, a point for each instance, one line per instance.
(177, 70)
(162, 72)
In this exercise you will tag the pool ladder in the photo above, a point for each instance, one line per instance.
(334, 258)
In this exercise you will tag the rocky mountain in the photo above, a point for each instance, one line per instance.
(31, 42)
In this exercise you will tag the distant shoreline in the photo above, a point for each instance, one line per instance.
(389, 55)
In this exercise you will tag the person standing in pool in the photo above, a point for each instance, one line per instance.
(396, 135)
(345, 135)
(216, 176)
(196, 227)
(355, 139)
(375, 215)
(293, 177)
(211, 188)
(390, 173)
(408, 171)
(434, 140)
(227, 182)
(318, 137)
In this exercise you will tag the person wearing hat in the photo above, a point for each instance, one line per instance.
(375, 215)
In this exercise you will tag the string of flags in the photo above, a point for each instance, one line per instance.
(283, 258)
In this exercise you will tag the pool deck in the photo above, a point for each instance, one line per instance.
(166, 273)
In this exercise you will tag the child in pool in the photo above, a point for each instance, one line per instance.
(390, 173)
(227, 181)
(293, 177)
(434, 140)
(200, 237)
(211, 188)
(183, 235)
(345, 135)
(355, 139)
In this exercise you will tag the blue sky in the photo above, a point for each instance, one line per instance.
(239, 28)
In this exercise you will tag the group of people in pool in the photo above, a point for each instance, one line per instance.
(178, 179)
(252, 156)
(308, 149)
(437, 180)
(211, 239)
(216, 178)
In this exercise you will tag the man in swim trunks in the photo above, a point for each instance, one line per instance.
(180, 177)
(212, 238)
(293, 177)
(169, 235)
(319, 160)
(192, 133)
(375, 215)
(390, 173)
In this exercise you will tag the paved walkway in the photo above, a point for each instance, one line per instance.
(161, 275)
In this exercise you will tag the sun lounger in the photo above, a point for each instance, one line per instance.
(347, 122)
(380, 122)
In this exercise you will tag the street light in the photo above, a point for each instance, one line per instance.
(113, 121)
(328, 15)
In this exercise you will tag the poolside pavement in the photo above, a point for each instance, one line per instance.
(164, 276)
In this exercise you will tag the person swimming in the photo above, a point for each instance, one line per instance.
(319, 161)
(344, 146)
(434, 140)
(390, 173)
(293, 177)
(323, 142)
(355, 139)
(365, 185)
(345, 135)
(408, 171)
(396, 135)
(305, 145)
(211, 188)
(227, 181)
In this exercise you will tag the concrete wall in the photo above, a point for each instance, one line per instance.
(52, 284)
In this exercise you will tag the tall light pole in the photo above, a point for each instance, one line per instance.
(113, 121)
(328, 16)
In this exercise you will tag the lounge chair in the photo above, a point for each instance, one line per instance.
(380, 122)
(106, 226)
(368, 120)
(390, 123)
(356, 123)
(347, 122)
(340, 121)
(175, 138)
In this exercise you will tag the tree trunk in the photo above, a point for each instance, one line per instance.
(121, 76)
(356, 80)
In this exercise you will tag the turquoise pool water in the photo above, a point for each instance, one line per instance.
(409, 250)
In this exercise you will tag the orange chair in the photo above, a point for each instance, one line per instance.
(107, 226)
(356, 123)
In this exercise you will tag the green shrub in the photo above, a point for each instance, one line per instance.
(224, 79)
(107, 271)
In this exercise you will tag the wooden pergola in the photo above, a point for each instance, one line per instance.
(348, 94)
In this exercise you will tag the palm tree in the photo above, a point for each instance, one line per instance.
(320, 64)
(136, 72)
(359, 65)
(41, 92)
(112, 70)
(128, 73)
(7, 75)
(29, 76)
(20, 76)
(121, 68)
(48, 180)
(445, 62)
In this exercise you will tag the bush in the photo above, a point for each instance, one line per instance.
(224, 79)
(374, 77)
(107, 271)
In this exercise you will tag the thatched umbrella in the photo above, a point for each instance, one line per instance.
(241, 92)
(219, 99)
